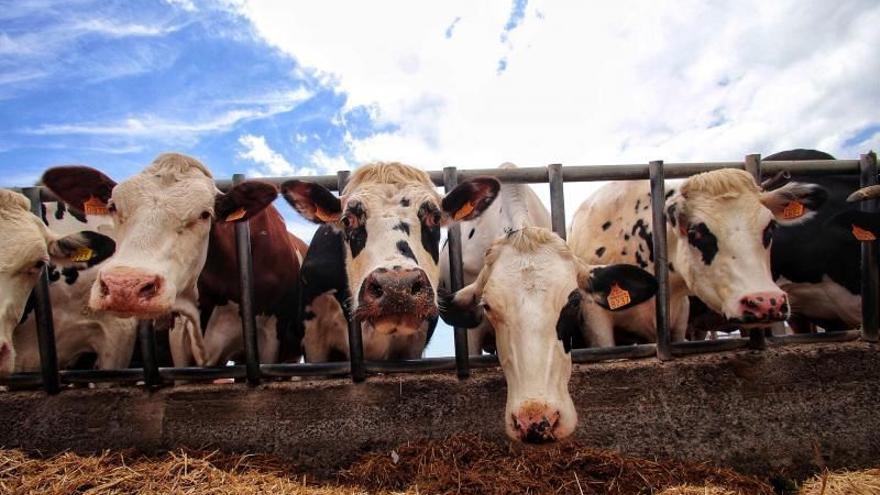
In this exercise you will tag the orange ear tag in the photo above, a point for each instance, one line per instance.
(463, 211)
(94, 206)
(236, 215)
(82, 254)
(618, 297)
(862, 234)
(794, 209)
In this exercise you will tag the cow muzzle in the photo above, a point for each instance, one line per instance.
(130, 292)
(396, 300)
(535, 422)
(762, 307)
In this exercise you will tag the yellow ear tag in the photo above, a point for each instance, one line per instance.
(463, 211)
(94, 206)
(794, 209)
(236, 215)
(82, 254)
(618, 297)
(862, 234)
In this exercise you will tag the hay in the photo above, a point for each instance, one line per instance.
(469, 464)
(697, 490)
(865, 482)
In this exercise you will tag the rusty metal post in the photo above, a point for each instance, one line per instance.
(355, 335)
(147, 337)
(868, 177)
(557, 199)
(246, 307)
(456, 278)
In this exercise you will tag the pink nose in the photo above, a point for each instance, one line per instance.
(536, 423)
(764, 306)
(128, 290)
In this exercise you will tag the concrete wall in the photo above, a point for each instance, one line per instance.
(759, 412)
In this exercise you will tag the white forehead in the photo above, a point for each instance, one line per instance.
(382, 184)
(26, 236)
(174, 182)
(531, 260)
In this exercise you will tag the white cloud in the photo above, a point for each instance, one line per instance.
(591, 83)
(329, 164)
(270, 162)
(186, 5)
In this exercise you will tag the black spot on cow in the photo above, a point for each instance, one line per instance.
(356, 235)
(670, 214)
(403, 227)
(641, 229)
(768, 234)
(569, 322)
(600, 251)
(641, 261)
(704, 240)
(671, 269)
(625, 237)
(471, 234)
(404, 202)
(43, 213)
(669, 193)
(638, 203)
(641, 248)
(646, 207)
(404, 249)
(429, 216)
(59, 210)
(54, 274)
(623, 253)
(606, 225)
(70, 275)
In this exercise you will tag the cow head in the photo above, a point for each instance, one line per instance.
(390, 217)
(860, 225)
(720, 233)
(29, 246)
(531, 289)
(162, 218)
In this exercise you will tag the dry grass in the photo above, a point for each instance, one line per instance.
(697, 490)
(865, 482)
(469, 464)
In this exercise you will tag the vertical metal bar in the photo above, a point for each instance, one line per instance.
(148, 353)
(355, 335)
(43, 312)
(753, 166)
(557, 199)
(246, 306)
(868, 177)
(456, 278)
(661, 257)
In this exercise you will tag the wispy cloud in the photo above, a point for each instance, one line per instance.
(269, 162)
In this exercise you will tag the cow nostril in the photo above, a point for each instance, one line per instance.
(104, 289)
(416, 288)
(375, 290)
(148, 290)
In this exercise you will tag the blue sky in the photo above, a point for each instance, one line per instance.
(286, 88)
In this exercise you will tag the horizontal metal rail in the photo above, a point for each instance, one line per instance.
(358, 367)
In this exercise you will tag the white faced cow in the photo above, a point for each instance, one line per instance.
(162, 219)
(719, 231)
(478, 234)
(28, 245)
(78, 329)
(531, 291)
(376, 257)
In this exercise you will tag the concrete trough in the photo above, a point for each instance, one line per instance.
(785, 410)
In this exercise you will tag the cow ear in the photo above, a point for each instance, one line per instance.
(82, 249)
(312, 201)
(568, 325)
(461, 309)
(244, 201)
(795, 202)
(85, 189)
(861, 225)
(618, 287)
(469, 199)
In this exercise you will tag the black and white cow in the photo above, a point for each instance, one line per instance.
(376, 256)
(719, 233)
(818, 262)
(477, 236)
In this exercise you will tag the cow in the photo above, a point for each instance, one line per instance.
(533, 291)
(163, 219)
(719, 232)
(479, 234)
(27, 248)
(79, 331)
(376, 256)
(818, 263)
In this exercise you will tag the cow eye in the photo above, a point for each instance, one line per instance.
(111, 207)
(205, 215)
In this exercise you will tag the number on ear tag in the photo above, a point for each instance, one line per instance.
(236, 215)
(94, 206)
(82, 254)
(862, 234)
(794, 209)
(618, 297)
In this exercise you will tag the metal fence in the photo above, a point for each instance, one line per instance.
(556, 176)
